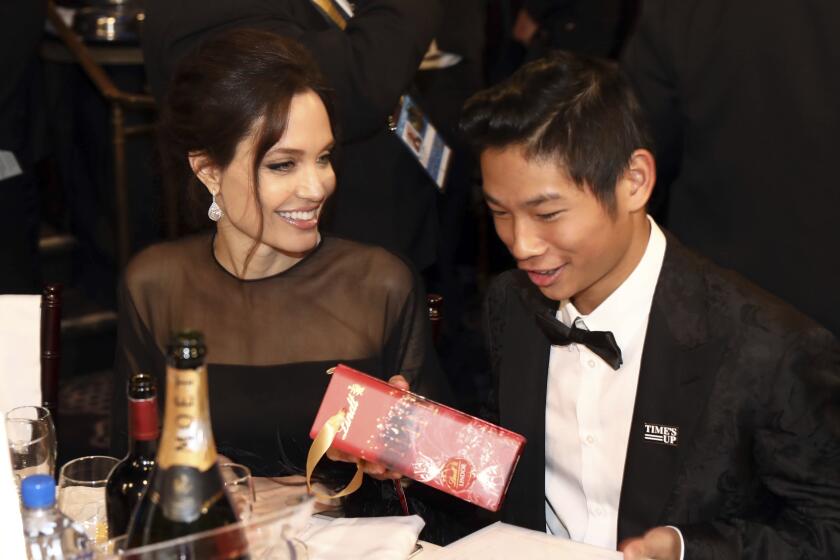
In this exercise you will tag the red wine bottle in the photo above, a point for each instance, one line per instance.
(130, 478)
(186, 493)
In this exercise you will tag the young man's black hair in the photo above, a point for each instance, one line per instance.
(579, 111)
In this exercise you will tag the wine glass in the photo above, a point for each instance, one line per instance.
(32, 441)
(81, 493)
(240, 488)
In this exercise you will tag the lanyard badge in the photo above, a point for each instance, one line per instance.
(422, 139)
(410, 124)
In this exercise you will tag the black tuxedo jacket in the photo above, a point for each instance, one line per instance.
(383, 196)
(753, 388)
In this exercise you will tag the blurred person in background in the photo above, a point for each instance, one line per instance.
(443, 89)
(582, 26)
(742, 96)
(21, 28)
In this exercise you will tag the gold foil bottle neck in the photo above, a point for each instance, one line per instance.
(187, 437)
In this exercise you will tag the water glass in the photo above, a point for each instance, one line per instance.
(81, 493)
(32, 441)
(240, 488)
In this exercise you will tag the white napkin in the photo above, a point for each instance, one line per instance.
(11, 525)
(371, 538)
(20, 347)
(501, 541)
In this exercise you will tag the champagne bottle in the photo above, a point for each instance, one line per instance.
(187, 494)
(130, 477)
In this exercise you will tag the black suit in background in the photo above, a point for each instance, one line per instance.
(383, 197)
(21, 28)
(753, 387)
(582, 26)
(743, 99)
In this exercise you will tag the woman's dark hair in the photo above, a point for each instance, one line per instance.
(217, 94)
(575, 110)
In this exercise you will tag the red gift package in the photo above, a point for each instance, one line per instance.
(426, 441)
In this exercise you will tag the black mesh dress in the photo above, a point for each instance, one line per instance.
(270, 341)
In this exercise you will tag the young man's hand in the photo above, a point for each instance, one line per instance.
(660, 543)
(374, 470)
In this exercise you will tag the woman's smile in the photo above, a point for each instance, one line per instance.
(303, 219)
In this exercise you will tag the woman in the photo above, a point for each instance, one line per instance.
(248, 116)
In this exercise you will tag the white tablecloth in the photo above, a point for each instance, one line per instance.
(495, 542)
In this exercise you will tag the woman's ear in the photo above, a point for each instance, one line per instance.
(206, 171)
(638, 180)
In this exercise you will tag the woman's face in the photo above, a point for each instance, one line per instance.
(295, 179)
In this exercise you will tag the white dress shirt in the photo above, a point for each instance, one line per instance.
(589, 408)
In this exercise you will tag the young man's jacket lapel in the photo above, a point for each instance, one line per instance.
(680, 359)
(517, 402)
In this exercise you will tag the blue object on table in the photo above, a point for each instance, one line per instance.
(38, 491)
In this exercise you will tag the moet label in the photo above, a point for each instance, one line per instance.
(187, 438)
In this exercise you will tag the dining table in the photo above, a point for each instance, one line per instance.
(494, 542)
(272, 493)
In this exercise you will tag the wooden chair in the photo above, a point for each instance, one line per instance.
(50, 347)
(30, 349)
(434, 303)
(120, 102)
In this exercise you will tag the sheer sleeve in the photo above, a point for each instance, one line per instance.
(409, 349)
(136, 352)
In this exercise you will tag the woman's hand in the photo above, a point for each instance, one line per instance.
(374, 470)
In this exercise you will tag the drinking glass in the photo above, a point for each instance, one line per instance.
(32, 442)
(81, 493)
(240, 488)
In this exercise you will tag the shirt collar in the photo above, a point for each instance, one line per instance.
(627, 308)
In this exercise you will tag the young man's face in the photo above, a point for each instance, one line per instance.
(560, 234)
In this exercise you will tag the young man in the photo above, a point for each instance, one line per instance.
(671, 408)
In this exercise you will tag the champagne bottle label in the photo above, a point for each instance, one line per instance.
(187, 439)
(187, 493)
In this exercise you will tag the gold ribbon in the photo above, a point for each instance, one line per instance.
(332, 12)
(319, 448)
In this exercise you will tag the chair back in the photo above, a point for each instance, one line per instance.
(30, 349)
(50, 347)
(20, 379)
(434, 303)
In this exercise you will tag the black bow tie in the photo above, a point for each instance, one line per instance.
(601, 343)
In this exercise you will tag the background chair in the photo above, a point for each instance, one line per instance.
(434, 302)
(30, 349)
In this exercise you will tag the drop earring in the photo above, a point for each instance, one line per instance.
(214, 212)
